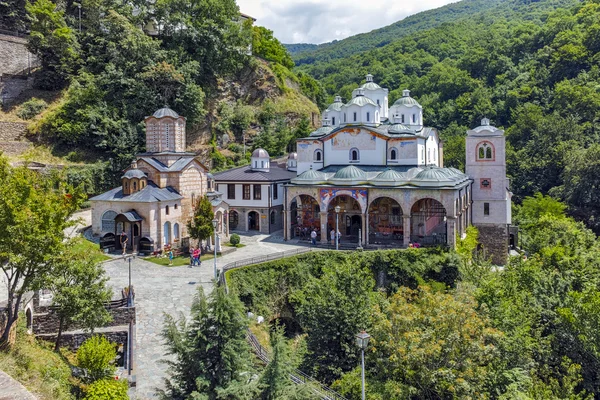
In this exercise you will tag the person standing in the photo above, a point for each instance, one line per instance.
(332, 235)
(191, 256)
(124, 240)
(197, 257)
(313, 237)
(170, 254)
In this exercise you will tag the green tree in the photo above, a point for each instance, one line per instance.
(266, 46)
(107, 389)
(53, 42)
(13, 16)
(96, 356)
(211, 357)
(200, 226)
(332, 309)
(34, 213)
(79, 291)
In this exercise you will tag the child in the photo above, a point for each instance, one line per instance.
(170, 254)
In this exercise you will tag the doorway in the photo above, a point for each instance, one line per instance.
(253, 221)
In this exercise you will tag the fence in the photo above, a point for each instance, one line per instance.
(298, 377)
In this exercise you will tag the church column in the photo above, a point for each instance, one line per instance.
(366, 229)
(287, 224)
(364, 221)
(406, 229)
(451, 231)
(324, 232)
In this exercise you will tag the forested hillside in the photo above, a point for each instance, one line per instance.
(113, 65)
(536, 75)
(451, 13)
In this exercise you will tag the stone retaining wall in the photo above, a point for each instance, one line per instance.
(74, 340)
(494, 239)
(47, 322)
(12, 131)
(14, 55)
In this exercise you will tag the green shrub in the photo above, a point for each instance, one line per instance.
(31, 108)
(107, 389)
(95, 356)
(234, 239)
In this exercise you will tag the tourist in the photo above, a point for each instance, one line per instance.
(170, 255)
(410, 245)
(332, 234)
(124, 239)
(339, 237)
(191, 256)
(313, 237)
(197, 257)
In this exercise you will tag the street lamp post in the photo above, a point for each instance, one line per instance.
(337, 236)
(129, 291)
(214, 224)
(362, 340)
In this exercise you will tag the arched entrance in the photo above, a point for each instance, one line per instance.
(428, 223)
(349, 217)
(234, 219)
(167, 233)
(253, 221)
(385, 222)
(306, 216)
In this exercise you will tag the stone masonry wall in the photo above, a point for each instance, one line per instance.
(12, 131)
(74, 340)
(494, 239)
(48, 322)
(14, 55)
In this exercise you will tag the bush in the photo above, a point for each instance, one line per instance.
(234, 239)
(95, 356)
(105, 389)
(31, 108)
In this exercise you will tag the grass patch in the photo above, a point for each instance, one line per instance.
(178, 261)
(38, 368)
(85, 248)
(239, 245)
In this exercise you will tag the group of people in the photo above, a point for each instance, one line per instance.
(332, 236)
(195, 253)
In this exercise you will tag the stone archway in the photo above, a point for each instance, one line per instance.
(306, 216)
(386, 224)
(428, 226)
(234, 219)
(253, 221)
(349, 218)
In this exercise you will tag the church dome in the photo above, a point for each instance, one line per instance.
(336, 105)
(133, 173)
(260, 153)
(350, 173)
(165, 112)
(322, 131)
(399, 128)
(370, 85)
(434, 174)
(406, 100)
(361, 100)
(310, 176)
(389, 177)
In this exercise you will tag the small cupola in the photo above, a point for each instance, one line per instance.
(369, 78)
(485, 122)
(133, 180)
(260, 160)
(406, 93)
(338, 99)
(326, 122)
(360, 92)
(292, 162)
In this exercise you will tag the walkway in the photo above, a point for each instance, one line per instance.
(13, 390)
(160, 290)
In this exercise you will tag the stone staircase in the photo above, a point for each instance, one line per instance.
(12, 138)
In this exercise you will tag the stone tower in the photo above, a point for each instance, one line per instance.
(165, 133)
(491, 208)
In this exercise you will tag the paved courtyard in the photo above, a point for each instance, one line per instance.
(170, 290)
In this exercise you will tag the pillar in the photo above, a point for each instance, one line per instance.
(366, 229)
(406, 228)
(324, 231)
(363, 221)
(287, 224)
(451, 231)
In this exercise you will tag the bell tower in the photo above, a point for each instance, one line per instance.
(491, 208)
(165, 132)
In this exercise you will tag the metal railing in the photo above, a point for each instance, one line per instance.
(297, 376)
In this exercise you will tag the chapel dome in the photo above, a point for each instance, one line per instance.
(310, 176)
(361, 100)
(165, 112)
(406, 100)
(336, 105)
(389, 177)
(322, 131)
(433, 173)
(133, 173)
(350, 173)
(370, 85)
(260, 153)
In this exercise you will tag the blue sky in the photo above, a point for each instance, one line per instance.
(319, 21)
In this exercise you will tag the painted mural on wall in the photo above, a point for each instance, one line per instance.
(359, 195)
(354, 138)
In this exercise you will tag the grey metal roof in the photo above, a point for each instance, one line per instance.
(131, 216)
(177, 166)
(324, 130)
(361, 101)
(134, 173)
(150, 194)
(246, 174)
(350, 172)
(406, 101)
(165, 112)
(370, 86)
(337, 106)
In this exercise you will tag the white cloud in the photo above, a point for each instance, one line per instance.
(319, 21)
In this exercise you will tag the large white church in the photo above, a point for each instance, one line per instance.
(383, 170)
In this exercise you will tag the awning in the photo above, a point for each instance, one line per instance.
(130, 216)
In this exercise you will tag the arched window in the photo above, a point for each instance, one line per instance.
(167, 210)
(126, 186)
(134, 185)
(485, 151)
(262, 164)
(354, 154)
(344, 117)
(393, 154)
(368, 116)
(318, 155)
(108, 221)
(176, 232)
(402, 118)
(333, 121)
(175, 206)
(354, 117)
(272, 217)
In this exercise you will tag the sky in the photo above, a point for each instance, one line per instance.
(320, 21)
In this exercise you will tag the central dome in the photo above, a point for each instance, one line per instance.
(165, 112)
(350, 173)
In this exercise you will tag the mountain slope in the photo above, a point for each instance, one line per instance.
(454, 12)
